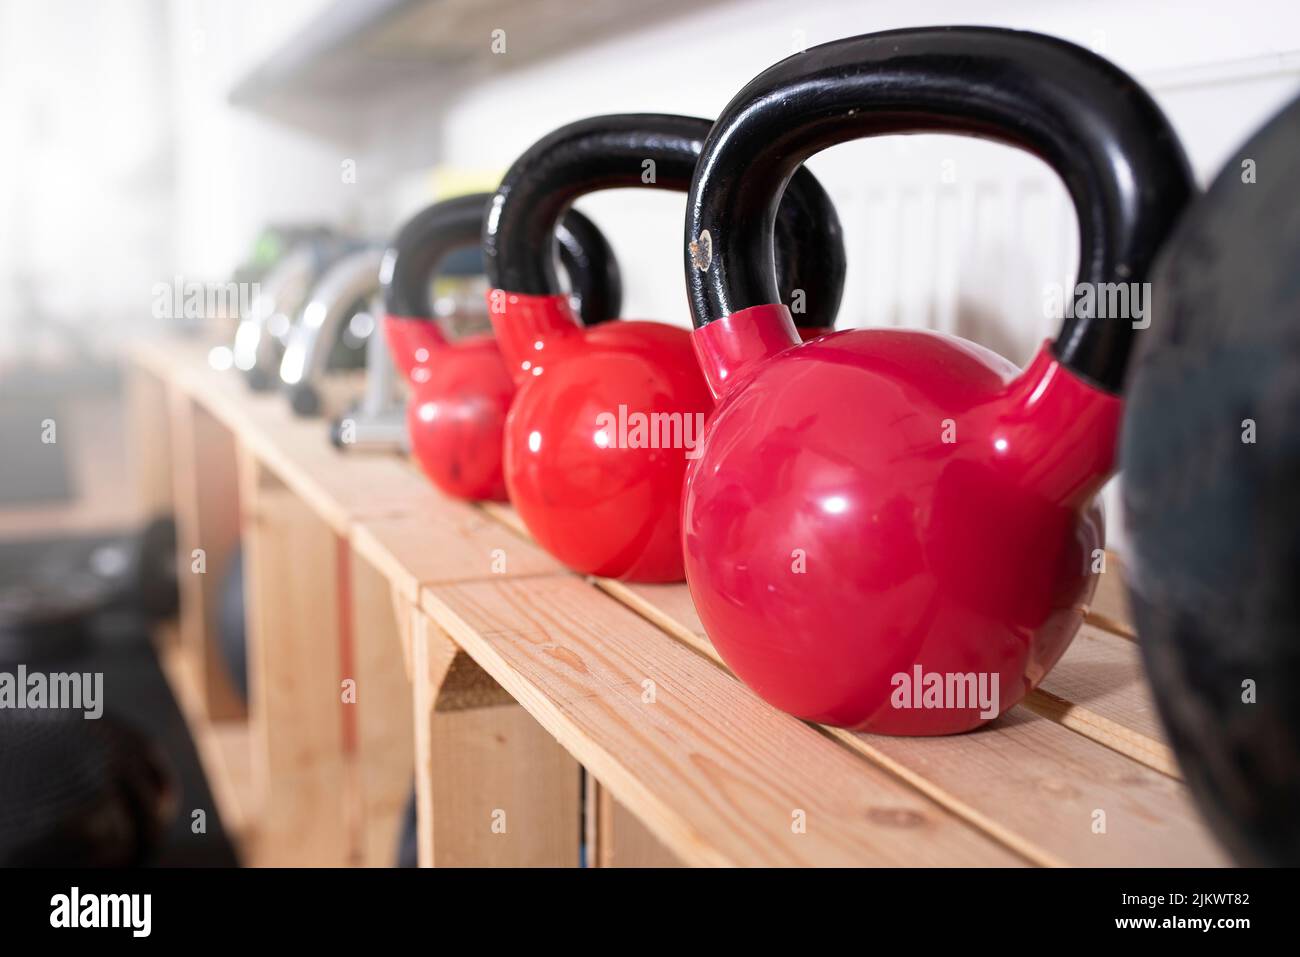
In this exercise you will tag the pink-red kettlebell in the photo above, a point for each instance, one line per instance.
(461, 389)
(895, 530)
(605, 418)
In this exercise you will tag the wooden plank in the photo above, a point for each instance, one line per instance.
(493, 789)
(441, 540)
(1037, 786)
(294, 628)
(206, 501)
(402, 609)
(616, 838)
(340, 487)
(668, 606)
(1002, 787)
(715, 774)
(1099, 689)
(385, 746)
(227, 762)
(505, 513)
(149, 440)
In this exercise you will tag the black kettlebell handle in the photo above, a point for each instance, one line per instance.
(609, 152)
(437, 231)
(1102, 133)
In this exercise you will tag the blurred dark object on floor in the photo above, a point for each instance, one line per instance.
(79, 793)
(49, 590)
(152, 582)
(69, 618)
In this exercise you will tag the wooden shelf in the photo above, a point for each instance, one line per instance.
(493, 674)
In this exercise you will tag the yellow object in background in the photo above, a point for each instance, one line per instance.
(446, 182)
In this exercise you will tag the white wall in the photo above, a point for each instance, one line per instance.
(236, 170)
(85, 185)
(124, 164)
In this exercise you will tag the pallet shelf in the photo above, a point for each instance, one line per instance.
(498, 680)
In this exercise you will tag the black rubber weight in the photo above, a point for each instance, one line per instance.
(1214, 519)
(77, 792)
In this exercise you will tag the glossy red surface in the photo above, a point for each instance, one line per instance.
(412, 342)
(835, 539)
(460, 394)
(598, 434)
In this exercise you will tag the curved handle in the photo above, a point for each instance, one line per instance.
(437, 231)
(652, 151)
(349, 286)
(1104, 136)
(591, 266)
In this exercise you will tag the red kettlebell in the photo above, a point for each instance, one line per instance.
(894, 530)
(599, 433)
(461, 390)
